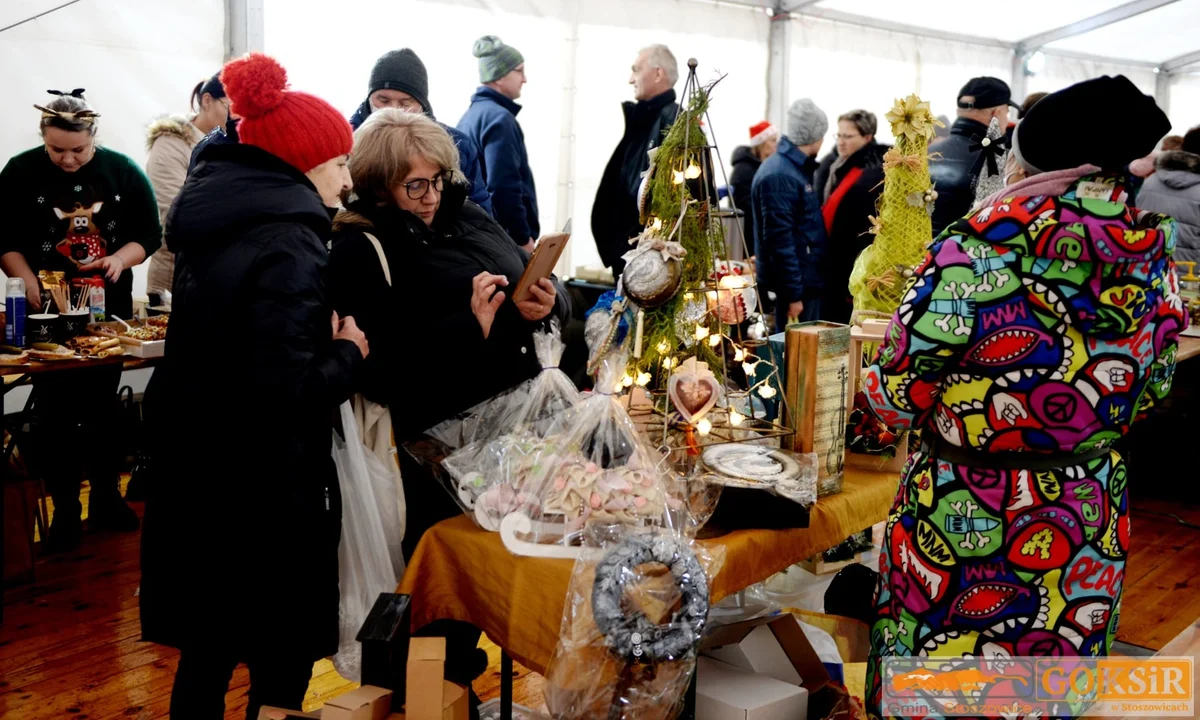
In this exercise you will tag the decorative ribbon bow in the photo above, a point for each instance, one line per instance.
(893, 158)
(76, 93)
(992, 149)
(670, 249)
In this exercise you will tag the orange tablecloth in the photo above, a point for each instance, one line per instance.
(460, 572)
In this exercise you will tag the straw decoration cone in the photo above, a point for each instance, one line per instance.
(903, 228)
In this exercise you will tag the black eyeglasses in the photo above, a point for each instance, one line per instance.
(417, 189)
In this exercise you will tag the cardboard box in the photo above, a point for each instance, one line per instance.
(454, 704)
(365, 703)
(429, 696)
(724, 692)
(272, 713)
(773, 646)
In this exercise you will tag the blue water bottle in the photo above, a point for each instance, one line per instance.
(14, 308)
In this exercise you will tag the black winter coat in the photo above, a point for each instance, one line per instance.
(429, 359)
(239, 548)
(745, 165)
(956, 172)
(615, 216)
(849, 235)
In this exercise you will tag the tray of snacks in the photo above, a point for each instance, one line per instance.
(140, 339)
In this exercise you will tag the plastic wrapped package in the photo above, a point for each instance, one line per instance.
(370, 522)
(633, 619)
(594, 470)
(489, 473)
(531, 401)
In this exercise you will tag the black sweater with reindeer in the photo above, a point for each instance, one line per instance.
(61, 221)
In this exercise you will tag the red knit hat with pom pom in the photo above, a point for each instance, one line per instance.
(301, 129)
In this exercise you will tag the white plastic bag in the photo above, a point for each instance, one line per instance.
(366, 566)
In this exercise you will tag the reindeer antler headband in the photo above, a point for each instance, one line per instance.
(87, 116)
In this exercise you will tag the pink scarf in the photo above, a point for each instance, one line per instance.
(1053, 183)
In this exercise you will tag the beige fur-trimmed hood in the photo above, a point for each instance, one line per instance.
(178, 126)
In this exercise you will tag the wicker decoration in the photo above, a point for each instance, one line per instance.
(903, 228)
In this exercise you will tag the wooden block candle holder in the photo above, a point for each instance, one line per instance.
(818, 373)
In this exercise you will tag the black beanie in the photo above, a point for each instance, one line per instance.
(401, 70)
(1074, 127)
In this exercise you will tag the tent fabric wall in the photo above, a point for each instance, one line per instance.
(578, 54)
(572, 120)
(138, 59)
(1061, 72)
(844, 67)
(1185, 103)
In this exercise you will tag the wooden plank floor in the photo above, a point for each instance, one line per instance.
(69, 645)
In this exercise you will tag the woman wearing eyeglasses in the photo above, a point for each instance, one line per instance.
(169, 142)
(445, 334)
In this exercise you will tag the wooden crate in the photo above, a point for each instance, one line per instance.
(820, 566)
(870, 331)
(818, 373)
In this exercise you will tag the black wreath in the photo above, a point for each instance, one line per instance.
(633, 637)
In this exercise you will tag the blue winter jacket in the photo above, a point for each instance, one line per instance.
(788, 228)
(468, 157)
(491, 121)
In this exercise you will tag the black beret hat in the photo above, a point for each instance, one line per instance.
(1105, 122)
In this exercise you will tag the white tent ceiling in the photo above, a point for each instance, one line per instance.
(842, 53)
(1149, 32)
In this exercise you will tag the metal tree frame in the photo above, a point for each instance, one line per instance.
(659, 415)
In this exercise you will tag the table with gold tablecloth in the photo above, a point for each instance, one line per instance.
(460, 572)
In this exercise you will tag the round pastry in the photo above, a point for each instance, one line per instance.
(633, 637)
(650, 280)
(51, 351)
(8, 357)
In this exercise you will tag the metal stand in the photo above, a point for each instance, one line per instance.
(506, 686)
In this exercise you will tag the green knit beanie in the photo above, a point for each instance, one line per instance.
(495, 58)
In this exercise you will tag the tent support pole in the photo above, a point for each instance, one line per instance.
(1162, 91)
(1020, 81)
(779, 49)
(566, 139)
(243, 27)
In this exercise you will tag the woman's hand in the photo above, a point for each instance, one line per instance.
(347, 329)
(111, 266)
(542, 303)
(33, 297)
(483, 303)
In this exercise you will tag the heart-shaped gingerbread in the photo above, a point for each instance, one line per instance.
(693, 394)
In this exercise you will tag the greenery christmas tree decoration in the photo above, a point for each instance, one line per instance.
(681, 211)
(697, 322)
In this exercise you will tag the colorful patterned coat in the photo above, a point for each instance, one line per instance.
(1037, 324)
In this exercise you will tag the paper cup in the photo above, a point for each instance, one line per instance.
(43, 327)
(75, 324)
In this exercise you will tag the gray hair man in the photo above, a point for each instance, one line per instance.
(615, 216)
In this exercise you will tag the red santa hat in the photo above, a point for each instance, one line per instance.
(761, 133)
